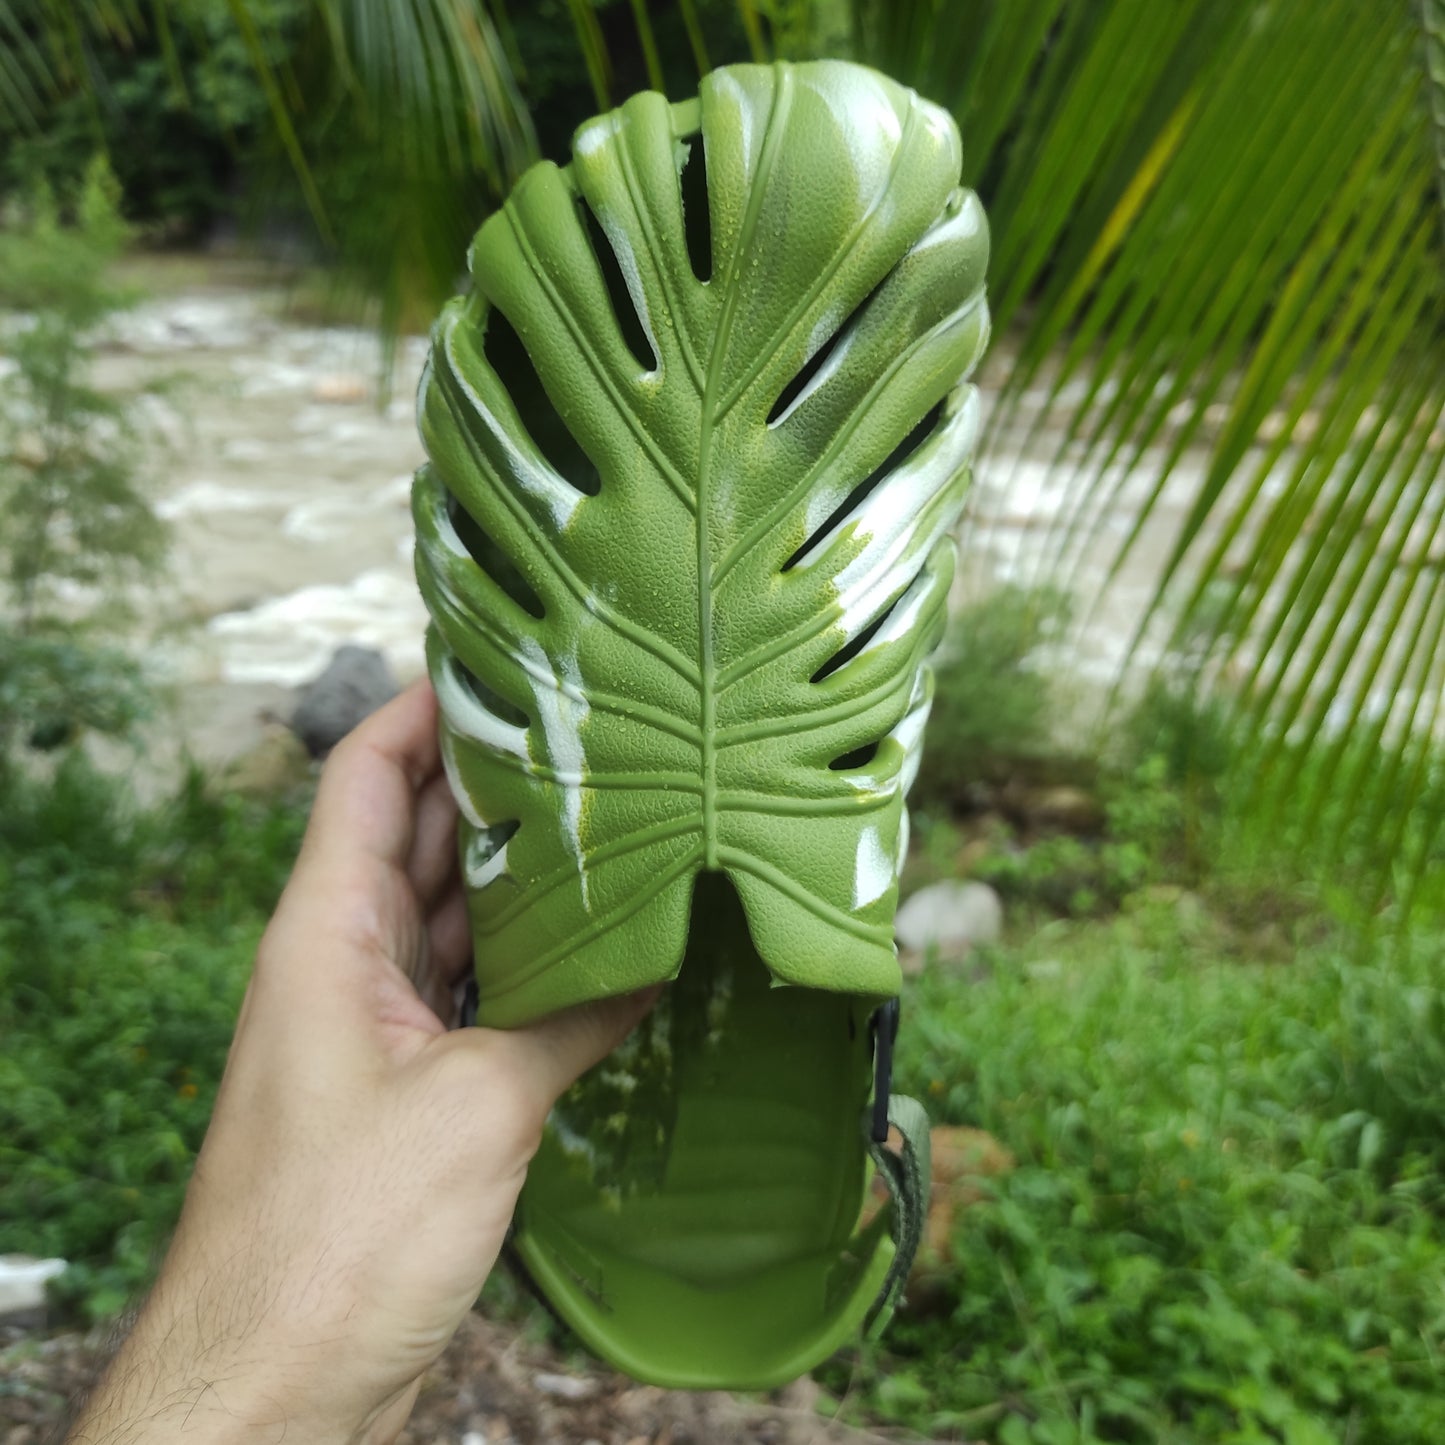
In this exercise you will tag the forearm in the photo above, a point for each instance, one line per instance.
(183, 1373)
(363, 1160)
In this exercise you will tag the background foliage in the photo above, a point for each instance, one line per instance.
(1216, 226)
(125, 942)
(1219, 231)
(74, 518)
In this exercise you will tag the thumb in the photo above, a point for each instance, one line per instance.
(559, 1049)
(548, 1057)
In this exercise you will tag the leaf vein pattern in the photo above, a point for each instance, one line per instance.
(775, 647)
(683, 334)
(776, 878)
(645, 837)
(641, 637)
(850, 242)
(634, 904)
(780, 805)
(789, 500)
(777, 114)
(771, 728)
(601, 782)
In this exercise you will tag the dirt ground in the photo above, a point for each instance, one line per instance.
(490, 1388)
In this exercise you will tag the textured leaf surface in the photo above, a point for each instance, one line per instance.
(695, 639)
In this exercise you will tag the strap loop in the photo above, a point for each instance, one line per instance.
(907, 1174)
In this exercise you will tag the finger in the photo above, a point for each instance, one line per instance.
(366, 802)
(433, 860)
(555, 1052)
(404, 734)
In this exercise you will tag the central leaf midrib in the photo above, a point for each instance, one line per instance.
(707, 691)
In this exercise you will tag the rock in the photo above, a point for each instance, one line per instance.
(30, 451)
(1067, 809)
(802, 1395)
(278, 764)
(1154, 895)
(972, 853)
(1044, 970)
(22, 1285)
(963, 1160)
(1187, 906)
(564, 1387)
(951, 917)
(354, 684)
(341, 389)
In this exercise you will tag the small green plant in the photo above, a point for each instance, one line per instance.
(125, 942)
(74, 521)
(1145, 839)
(1225, 1221)
(993, 706)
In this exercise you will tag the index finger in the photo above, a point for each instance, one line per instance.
(367, 799)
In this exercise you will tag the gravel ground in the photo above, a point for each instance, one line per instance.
(490, 1388)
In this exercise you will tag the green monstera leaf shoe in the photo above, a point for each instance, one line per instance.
(697, 437)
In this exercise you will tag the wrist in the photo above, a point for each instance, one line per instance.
(177, 1377)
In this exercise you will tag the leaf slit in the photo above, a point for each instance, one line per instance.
(497, 835)
(854, 646)
(507, 355)
(486, 843)
(874, 479)
(487, 553)
(493, 701)
(858, 758)
(794, 391)
(696, 216)
(624, 306)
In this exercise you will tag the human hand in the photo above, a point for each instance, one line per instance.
(362, 1164)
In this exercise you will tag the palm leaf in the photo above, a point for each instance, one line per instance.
(1217, 232)
(1432, 51)
(683, 587)
(25, 75)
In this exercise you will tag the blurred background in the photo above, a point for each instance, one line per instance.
(1176, 905)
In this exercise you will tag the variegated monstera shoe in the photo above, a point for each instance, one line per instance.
(697, 437)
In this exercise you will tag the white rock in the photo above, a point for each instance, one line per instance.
(340, 389)
(22, 1282)
(564, 1387)
(949, 916)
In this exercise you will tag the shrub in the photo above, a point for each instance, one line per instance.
(125, 943)
(993, 705)
(74, 521)
(173, 126)
(1225, 1223)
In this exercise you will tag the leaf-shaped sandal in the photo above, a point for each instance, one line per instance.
(697, 437)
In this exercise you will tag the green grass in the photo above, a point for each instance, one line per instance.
(125, 942)
(1225, 1223)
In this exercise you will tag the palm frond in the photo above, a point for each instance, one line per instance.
(1432, 51)
(695, 39)
(1217, 235)
(594, 50)
(25, 74)
(435, 75)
